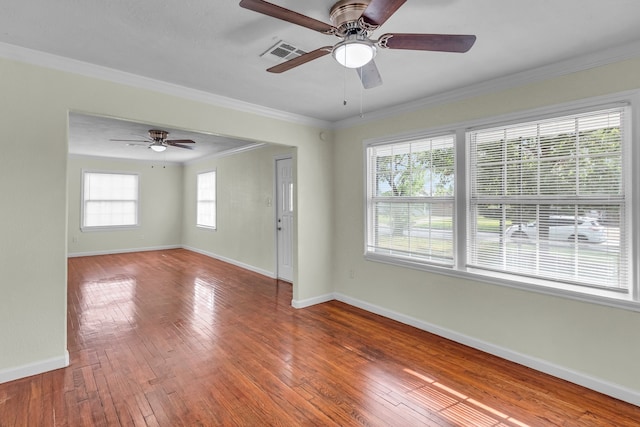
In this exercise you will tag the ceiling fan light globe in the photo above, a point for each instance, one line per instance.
(158, 148)
(354, 53)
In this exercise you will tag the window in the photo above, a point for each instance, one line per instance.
(547, 199)
(537, 202)
(109, 200)
(206, 203)
(410, 207)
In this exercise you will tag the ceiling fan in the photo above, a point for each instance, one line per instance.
(158, 141)
(354, 21)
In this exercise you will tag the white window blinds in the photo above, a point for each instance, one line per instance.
(547, 199)
(410, 200)
(109, 200)
(206, 203)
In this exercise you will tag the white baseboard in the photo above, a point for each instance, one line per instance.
(267, 273)
(312, 301)
(593, 383)
(122, 251)
(34, 368)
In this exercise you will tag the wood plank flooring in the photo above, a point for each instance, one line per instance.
(174, 338)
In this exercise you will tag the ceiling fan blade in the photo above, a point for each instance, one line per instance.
(302, 59)
(279, 12)
(435, 42)
(379, 11)
(179, 141)
(130, 140)
(369, 75)
(181, 146)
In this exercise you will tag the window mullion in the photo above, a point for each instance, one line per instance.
(462, 189)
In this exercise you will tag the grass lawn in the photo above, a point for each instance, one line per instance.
(487, 225)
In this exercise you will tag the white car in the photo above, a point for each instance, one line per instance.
(561, 227)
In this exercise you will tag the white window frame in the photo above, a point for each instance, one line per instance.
(408, 258)
(83, 202)
(628, 300)
(214, 224)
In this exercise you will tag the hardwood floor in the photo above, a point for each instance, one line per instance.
(174, 338)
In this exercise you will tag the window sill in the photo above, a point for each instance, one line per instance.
(206, 227)
(109, 228)
(605, 297)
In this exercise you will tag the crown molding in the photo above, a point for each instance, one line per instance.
(568, 66)
(572, 65)
(151, 162)
(226, 153)
(60, 63)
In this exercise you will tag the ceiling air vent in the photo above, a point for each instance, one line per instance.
(282, 51)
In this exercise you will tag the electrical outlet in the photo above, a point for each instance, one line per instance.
(352, 274)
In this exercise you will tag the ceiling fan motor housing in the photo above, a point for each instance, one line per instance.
(345, 15)
(158, 135)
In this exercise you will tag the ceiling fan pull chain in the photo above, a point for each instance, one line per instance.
(344, 87)
(360, 72)
(361, 96)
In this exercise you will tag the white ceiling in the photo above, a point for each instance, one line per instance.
(215, 46)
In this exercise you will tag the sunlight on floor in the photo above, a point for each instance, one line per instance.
(109, 304)
(458, 407)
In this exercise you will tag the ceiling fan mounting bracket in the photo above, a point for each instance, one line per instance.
(369, 28)
(382, 41)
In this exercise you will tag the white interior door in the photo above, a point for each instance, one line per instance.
(284, 218)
